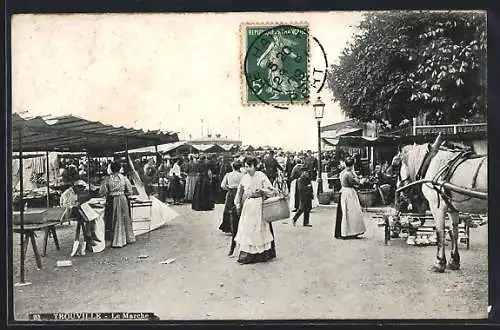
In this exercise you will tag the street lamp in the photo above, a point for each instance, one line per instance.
(319, 108)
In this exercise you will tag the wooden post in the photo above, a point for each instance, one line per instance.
(21, 209)
(414, 126)
(372, 157)
(320, 179)
(88, 169)
(126, 148)
(48, 178)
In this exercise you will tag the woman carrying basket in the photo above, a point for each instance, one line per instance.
(255, 236)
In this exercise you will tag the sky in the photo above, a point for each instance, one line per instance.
(163, 71)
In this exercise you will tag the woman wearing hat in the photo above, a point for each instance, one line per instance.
(72, 198)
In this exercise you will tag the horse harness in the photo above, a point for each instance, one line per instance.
(446, 172)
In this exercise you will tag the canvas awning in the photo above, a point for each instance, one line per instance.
(365, 141)
(163, 148)
(209, 148)
(71, 133)
(330, 141)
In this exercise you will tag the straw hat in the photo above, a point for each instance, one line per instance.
(80, 183)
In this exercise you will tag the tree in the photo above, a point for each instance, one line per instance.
(402, 64)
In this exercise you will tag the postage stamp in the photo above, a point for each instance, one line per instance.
(275, 66)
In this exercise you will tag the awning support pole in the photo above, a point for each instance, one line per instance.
(88, 169)
(126, 147)
(21, 209)
(47, 177)
(157, 161)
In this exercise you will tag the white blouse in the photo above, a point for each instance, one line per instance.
(249, 184)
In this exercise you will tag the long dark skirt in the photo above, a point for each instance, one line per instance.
(338, 221)
(203, 196)
(251, 258)
(235, 221)
(221, 193)
(177, 191)
(297, 196)
(229, 211)
(218, 194)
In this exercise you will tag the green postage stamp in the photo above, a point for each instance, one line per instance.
(275, 66)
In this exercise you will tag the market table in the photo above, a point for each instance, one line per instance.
(29, 233)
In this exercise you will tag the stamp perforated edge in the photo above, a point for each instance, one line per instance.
(242, 54)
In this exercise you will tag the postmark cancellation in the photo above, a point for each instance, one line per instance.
(275, 63)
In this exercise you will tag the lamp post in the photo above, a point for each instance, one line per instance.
(319, 108)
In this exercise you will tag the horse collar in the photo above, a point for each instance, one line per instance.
(424, 166)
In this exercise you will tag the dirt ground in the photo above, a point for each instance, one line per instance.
(313, 277)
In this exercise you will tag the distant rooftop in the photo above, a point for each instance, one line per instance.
(215, 139)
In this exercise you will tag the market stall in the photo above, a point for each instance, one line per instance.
(73, 134)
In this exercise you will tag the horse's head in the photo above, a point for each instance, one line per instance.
(399, 163)
(409, 160)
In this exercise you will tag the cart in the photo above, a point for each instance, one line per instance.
(423, 229)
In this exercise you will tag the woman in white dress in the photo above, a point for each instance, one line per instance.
(255, 237)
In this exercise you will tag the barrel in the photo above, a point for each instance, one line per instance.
(324, 198)
(367, 198)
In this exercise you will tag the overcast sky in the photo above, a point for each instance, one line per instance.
(165, 71)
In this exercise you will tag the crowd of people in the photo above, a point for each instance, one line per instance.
(241, 182)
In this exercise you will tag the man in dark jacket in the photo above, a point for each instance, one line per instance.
(272, 167)
(305, 192)
(290, 163)
(295, 175)
(311, 166)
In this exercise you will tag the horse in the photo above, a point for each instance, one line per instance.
(469, 173)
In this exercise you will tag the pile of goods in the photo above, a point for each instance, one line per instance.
(420, 229)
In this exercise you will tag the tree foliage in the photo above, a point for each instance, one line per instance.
(402, 64)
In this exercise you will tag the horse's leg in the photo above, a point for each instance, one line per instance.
(454, 264)
(439, 214)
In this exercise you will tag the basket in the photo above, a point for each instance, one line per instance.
(324, 198)
(367, 198)
(275, 208)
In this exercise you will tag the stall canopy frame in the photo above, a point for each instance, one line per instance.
(70, 134)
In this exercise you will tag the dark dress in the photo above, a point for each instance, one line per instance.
(203, 196)
(224, 168)
(229, 222)
(229, 212)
